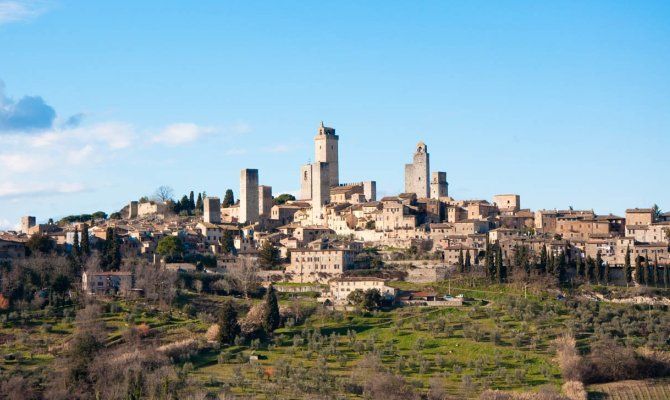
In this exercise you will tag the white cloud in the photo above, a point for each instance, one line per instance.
(17, 10)
(235, 152)
(23, 162)
(7, 225)
(181, 133)
(13, 189)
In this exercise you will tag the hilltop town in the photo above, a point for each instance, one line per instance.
(324, 234)
(335, 293)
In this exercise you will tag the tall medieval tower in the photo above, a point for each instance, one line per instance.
(325, 150)
(417, 173)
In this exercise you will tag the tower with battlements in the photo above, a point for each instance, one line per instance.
(326, 150)
(417, 173)
(248, 213)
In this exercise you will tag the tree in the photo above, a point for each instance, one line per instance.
(245, 277)
(461, 262)
(229, 326)
(579, 265)
(268, 256)
(489, 264)
(666, 276)
(468, 262)
(656, 277)
(590, 264)
(191, 201)
(111, 258)
(372, 299)
(639, 273)
(228, 199)
(649, 278)
(657, 212)
(283, 198)
(85, 246)
(560, 269)
(227, 242)
(357, 297)
(75, 243)
(185, 204)
(40, 243)
(599, 266)
(199, 205)
(170, 247)
(500, 268)
(164, 193)
(627, 266)
(271, 318)
(543, 259)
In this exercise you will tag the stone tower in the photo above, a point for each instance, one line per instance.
(248, 196)
(306, 182)
(438, 185)
(320, 188)
(417, 173)
(264, 200)
(132, 209)
(27, 222)
(212, 210)
(325, 150)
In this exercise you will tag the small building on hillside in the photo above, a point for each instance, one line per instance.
(340, 288)
(109, 282)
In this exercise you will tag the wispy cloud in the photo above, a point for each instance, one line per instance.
(20, 10)
(236, 152)
(281, 148)
(14, 189)
(181, 133)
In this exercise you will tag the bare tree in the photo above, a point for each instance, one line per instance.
(245, 276)
(164, 193)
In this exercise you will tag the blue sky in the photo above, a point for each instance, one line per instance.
(566, 103)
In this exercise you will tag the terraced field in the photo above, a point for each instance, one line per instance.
(651, 389)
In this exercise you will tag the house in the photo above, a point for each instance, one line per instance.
(340, 288)
(109, 282)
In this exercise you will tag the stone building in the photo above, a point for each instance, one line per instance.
(417, 173)
(639, 216)
(438, 185)
(340, 288)
(326, 151)
(27, 222)
(248, 196)
(133, 209)
(265, 201)
(507, 203)
(110, 282)
(212, 210)
(314, 265)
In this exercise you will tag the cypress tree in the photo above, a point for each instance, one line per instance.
(579, 266)
(666, 276)
(639, 273)
(543, 259)
(500, 272)
(627, 266)
(656, 277)
(589, 269)
(550, 263)
(468, 262)
(649, 279)
(199, 205)
(272, 319)
(599, 268)
(75, 243)
(561, 272)
(228, 199)
(85, 246)
(229, 328)
(191, 201)
(461, 262)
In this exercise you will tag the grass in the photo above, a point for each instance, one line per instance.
(650, 389)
